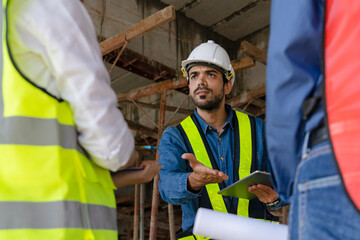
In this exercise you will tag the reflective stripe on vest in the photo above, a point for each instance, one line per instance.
(61, 214)
(245, 157)
(49, 189)
(201, 154)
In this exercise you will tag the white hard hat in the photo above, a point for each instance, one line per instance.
(212, 55)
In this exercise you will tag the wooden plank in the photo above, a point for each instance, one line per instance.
(115, 43)
(254, 52)
(151, 89)
(141, 65)
(260, 112)
(243, 63)
(246, 97)
(123, 199)
(146, 25)
(157, 107)
(252, 110)
(258, 102)
(125, 217)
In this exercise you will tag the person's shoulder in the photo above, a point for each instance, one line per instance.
(260, 124)
(259, 121)
(171, 131)
(172, 139)
(172, 135)
(44, 7)
(43, 14)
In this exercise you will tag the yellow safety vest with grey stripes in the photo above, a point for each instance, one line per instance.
(197, 144)
(49, 189)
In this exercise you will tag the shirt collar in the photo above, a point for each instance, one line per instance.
(204, 126)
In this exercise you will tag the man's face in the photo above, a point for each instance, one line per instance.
(206, 87)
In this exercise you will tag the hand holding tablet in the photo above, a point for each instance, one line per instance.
(239, 189)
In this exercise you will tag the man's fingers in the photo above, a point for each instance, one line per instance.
(188, 156)
(144, 163)
(203, 172)
(192, 159)
(222, 175)
(216, 175)
(264, 193)
(255, 190)
(265, 188)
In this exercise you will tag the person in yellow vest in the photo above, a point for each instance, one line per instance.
(220, 144)
(60, 129)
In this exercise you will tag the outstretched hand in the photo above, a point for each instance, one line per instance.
(201, 174)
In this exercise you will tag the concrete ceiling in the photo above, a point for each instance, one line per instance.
(156, 55)
(233, 19)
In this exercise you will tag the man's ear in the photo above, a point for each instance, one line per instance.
(227, 87)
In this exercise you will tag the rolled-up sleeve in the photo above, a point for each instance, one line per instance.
(175, 170)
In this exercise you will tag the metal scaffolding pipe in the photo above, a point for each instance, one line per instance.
(171, 221)
(155, 197)
(136, 212)
(142, 211)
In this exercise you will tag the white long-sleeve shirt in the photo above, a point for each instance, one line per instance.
(56, 48)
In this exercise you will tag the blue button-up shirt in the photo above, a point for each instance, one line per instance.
(294, 73)
(175, 170)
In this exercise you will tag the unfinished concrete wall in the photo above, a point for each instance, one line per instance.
(168, 44)
(254, 77)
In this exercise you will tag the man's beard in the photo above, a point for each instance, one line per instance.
(210, 105)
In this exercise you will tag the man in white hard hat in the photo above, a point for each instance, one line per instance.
(214, 147)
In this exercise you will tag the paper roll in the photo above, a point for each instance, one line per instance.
(224, 226)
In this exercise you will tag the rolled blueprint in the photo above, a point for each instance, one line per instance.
(224, 226)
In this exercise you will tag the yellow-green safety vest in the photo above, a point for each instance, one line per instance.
(49, 188)
(194, 237)
(201, 154)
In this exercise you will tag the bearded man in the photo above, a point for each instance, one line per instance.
(214, 147)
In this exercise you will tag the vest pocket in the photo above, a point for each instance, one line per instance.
(94, 173)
